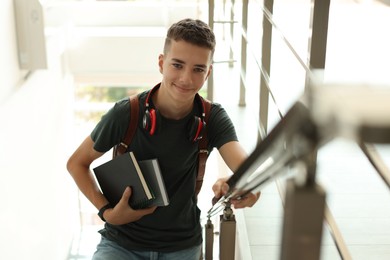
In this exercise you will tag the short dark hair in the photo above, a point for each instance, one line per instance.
(193, 31)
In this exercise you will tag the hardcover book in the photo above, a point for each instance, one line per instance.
(152, 173)
(123, 171)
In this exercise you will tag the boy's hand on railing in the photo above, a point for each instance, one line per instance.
(246, 201)
(220, 188)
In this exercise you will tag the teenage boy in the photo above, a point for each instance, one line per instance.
(171, 121)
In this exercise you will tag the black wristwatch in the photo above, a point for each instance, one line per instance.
(101, 211)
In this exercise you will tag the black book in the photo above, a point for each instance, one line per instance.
(144, 177)
(117, 174)
(152, 173)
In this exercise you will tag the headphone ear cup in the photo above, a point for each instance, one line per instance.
(150, 121)
(195, 129)
(146, 121)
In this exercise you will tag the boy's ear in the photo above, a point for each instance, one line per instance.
(160, 63)
(210, 70)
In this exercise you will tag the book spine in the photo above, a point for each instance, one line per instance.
(141, 177)
(160, 182)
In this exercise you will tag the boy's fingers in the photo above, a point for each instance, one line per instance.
(225, 188)
(126, 195)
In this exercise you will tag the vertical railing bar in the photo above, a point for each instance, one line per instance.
(319, 20)
(332, 225)
(319, 36)
(244, 26)
(210, 80)
(231, 55)
(266, 64)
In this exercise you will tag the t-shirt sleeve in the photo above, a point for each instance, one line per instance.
(112, 126)
(220, 129)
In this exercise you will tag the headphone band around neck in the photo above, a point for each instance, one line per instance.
(198, 98)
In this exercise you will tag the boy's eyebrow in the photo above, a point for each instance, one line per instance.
(182, 62)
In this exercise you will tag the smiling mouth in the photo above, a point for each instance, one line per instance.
(181, 89)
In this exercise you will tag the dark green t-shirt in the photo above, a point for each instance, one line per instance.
(176, 226)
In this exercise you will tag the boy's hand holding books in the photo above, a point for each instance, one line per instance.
(147, 190)
(122, 213)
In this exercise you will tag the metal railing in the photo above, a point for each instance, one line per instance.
(228, 17)
(295, 140)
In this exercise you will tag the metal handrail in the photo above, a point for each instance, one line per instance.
(368, 149)
(336, 235)
(329, 218)
(334, 230)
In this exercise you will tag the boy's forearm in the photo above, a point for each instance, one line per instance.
(85, 181)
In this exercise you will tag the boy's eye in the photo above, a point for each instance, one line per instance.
(199, 70)
(177, 65)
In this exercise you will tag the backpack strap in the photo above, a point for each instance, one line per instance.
(132, 127)
(203, 152)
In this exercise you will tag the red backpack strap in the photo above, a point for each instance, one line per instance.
(132, 127)
(203, 152)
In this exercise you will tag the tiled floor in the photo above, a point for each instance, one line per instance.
(356, 197)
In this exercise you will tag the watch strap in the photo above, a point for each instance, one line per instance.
(101, 211)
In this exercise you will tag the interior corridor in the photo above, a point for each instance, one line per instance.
(43, 214)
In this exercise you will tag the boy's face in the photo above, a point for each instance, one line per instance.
(185, 67)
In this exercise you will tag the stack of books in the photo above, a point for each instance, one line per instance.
(144, 178)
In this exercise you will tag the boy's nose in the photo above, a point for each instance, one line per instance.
(186, 77)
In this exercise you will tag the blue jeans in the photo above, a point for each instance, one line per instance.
(109, 250)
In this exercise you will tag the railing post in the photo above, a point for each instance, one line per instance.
(242, 99)
(319, 30)
(209, 239)
(303, 221)
(319, 36)
(303, 215)
(227, 236)
(210, 80)
(265, 66)
(231, 54)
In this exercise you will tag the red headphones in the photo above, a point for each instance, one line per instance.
(152, 118)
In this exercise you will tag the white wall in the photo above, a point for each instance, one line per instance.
(111, 53)
(126, 13)
(39, 213)
(10, 75)
(126, 45)
(38, 209)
